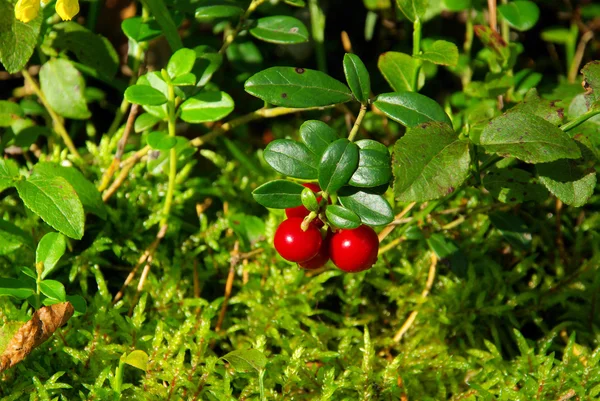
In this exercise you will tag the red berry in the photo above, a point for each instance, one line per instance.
(321, 258)
(301, 211)
(296, 245)
(354, 250)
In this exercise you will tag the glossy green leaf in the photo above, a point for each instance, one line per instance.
(17, 39)
(137, 359)
(55, 201)
(292, 159)
(338, 163)
(413, 9)
(279, 194)
(88, 194)
(399, 70)
(207, 63)
(372, 209)
(513, 229)
(357, 77)
(591, 79)
(27, 136)
(145, 95)
(521, 15)
(15, 288)
(160, 140)
(206, 106)
(447, 251)
(187, 79)
(213, 9)
(458, 5)
(280, 29)
(441, 52)
(295, 3)
(63, 87)
(527, 137)
(374, 165)
(297, 87)
(138, 30)
(533, 104)
(9, 112)
(411, 109)
(317, 136)
(50, 249)
(246, 360)
(559, 36)
(181, 62)
(513, 185)
(9, 173)
(429, 162)
(78, 303)
(12, 238)
(53, 289)
(341, 217)
(161, 13)
(309, 200)
(145, 122)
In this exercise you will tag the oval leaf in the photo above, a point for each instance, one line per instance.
(341, 217)
(521, 15)
(374, 166)
(372, 209)
(513, 185)
(15, 288)
(246, 359)
(144, 95)
(279, 194)
(399, 70)
(413, 9)
(63, 87)
(337, 165)
(280, 29)
(210, 10)
(53, 289)
(50, 249)
(12, 237)
(317, 136)
(145, 121)
(441, 52)
(159, 140)
(297, 87)
(357, 77)
(206, 106)
(411, 109)
(181, 62)
(138, 30)
(292, 159)
(137, 359)
(55, 201)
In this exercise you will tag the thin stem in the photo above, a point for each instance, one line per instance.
(317, 22)
(492, 15)
(505, 27)
(578, 57)
(580, 120)
(356, 127)
(57, 122)
(172, 157)
(230, 38)
(416, 52)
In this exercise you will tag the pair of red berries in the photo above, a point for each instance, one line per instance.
(351, 250)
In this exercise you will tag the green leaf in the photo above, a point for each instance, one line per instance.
(492, 40)
(246, 359)
(527, 137)
(55, 201)
(206, 106)
(292, 159)
(159, 140)
(50, 249)
(279, 194)
(297, 87)
(338, 163)
(357, 77)
(145, 122)
(399, 70)
(181, 62)
(145, 95)
(410, 109)
(571, 180)
(208, 62)
(63, 87)
(88, 194)
(27, 136)
(533, 104)
(159, 10)
(512, 228)
(213, 9)
(309, 200)
(317, 136)
(9, 173)
(17, 39)
(429, 162)
(441, 52)
(53, 289)
(78, 303)
(187, 79)
(458, 5)
(513, 185)
(9, 112)
(521, 15)
(374, 166)
(138, 30)
(413, 9)
(560, 36)
(91, 49)
(12, 237)
(280, 29)
(372, 209)
(448, 251)
(137, 359)
(249, 229)
(15, 288)
(341, 217)
(295, 3)
(591, 79)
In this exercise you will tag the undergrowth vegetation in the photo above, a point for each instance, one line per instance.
(149, 149)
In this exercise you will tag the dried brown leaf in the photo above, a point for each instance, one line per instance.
(44, 322)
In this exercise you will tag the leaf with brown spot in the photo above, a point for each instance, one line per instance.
(44, 322)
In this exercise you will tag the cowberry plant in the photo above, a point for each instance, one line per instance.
(179, 178)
